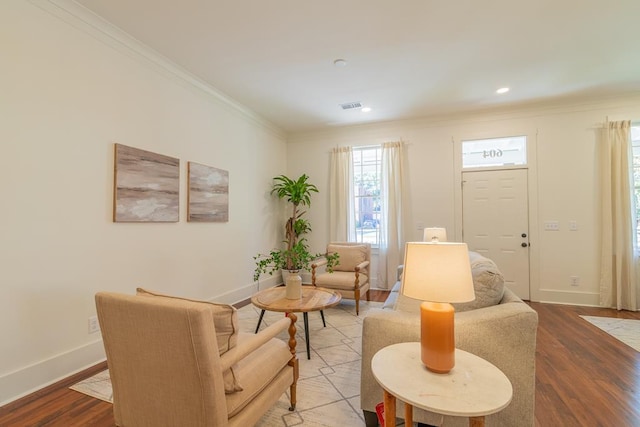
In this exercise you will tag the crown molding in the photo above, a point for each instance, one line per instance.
(97, 27)
(528, 110)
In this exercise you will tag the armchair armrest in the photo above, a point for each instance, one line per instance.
(247, 346)
(319, 262)
(361, 266)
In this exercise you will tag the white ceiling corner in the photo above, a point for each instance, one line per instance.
(405, 59)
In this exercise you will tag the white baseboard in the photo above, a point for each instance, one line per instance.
(29, 379)
(34, 377)
(245, 292)
(554, 296)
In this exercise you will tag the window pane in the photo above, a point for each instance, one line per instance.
(367, 169)
(494, 152)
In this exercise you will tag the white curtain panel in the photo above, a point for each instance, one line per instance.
(617, 276)
(341, 209)
(392, 209)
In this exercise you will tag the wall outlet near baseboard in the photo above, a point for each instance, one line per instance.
(94, 325)
(574, 281)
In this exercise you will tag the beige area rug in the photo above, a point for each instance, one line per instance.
(625, 330)
(329, 383)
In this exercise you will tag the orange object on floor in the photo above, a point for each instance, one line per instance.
(380, 413)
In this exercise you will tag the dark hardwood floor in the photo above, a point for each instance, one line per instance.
(584, 376)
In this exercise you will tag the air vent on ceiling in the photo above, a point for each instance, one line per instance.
(351, 105)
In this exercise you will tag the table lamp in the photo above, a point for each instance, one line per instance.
(438, 273)
(435, 234)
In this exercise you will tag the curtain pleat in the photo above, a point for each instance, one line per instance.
(341, 209)
(617, 273)
(392, 201)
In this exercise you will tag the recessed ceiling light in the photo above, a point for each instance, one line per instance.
(366, 109)
(340, 63)
(502, 90)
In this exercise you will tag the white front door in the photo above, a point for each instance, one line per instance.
(495, 222)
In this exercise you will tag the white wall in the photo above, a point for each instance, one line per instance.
(564, 188)
(70, 88)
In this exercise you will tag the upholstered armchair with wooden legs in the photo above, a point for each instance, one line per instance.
(351, 276)
(178, 362)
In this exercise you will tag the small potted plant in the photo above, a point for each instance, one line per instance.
(295, 256)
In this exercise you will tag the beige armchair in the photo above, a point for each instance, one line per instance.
(174, 362)
(351, 276)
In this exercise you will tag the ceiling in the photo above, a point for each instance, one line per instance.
(405, 59)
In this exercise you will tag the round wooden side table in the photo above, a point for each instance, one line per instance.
(313, 299)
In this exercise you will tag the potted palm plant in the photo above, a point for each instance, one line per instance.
(295, 256)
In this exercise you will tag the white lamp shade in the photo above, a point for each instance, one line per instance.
(435, 234)
(437, 272)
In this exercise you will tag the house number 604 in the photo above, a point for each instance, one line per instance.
(491, 153)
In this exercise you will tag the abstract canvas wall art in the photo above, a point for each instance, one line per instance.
(208, 194)
(146, 187)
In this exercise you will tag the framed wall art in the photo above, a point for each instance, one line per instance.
(146, 186)
(208, 196)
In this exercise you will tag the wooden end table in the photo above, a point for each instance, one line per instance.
(313, 299)
(473, 388)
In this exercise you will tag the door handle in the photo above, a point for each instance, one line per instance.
(524, 235)
(524, 245)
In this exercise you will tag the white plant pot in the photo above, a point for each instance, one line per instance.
(293, 285)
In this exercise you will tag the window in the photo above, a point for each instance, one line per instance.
(494, 152)
(367, 171)
(635, 143)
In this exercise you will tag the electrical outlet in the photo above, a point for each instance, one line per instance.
(551, 226)
(94, 326)
(574, 281)
(573, 225)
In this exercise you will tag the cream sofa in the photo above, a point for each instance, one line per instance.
(498, 327)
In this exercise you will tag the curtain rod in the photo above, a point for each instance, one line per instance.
(364, 147)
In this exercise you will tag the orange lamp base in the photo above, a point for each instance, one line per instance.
(437, 340)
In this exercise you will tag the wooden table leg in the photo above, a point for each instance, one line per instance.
(408, 415)
(294, 360)
(389, 409)
(476, 421)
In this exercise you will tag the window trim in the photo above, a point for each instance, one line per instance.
(495, 166)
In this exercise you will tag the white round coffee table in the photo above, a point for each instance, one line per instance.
(473, 388)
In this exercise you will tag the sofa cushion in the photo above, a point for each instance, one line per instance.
(406, 304)
(225, 321)
(341, 280)
(488, 285)
(390, 302)
(350, 256)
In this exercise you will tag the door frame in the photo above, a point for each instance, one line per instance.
(532, 188)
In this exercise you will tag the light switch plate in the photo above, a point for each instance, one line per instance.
(551, 226)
